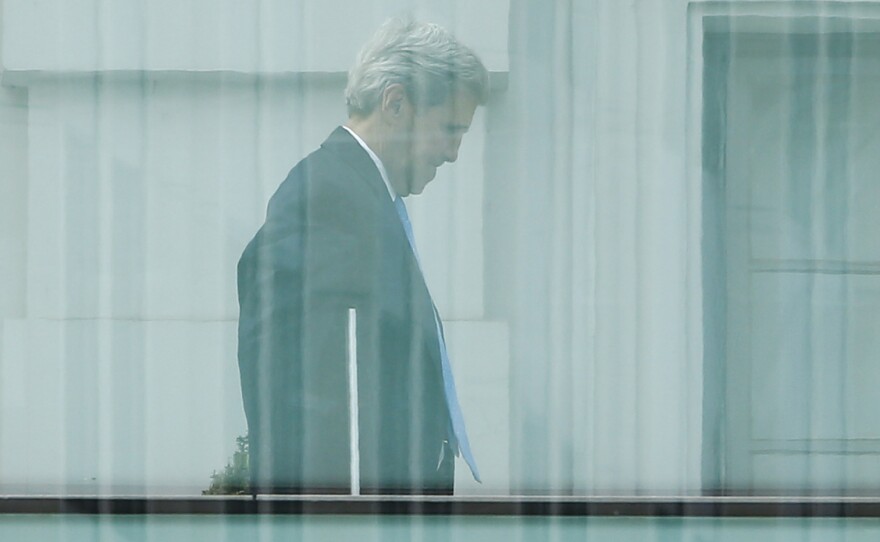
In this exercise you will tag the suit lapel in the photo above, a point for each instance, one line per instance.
(350, 152)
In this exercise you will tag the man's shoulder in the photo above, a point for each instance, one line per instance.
(319, 169)
(319, 162)
(330, 183)
(339, 164)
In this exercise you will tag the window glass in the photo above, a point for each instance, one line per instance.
(539, 249)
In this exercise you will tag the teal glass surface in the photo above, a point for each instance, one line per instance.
(397, 528)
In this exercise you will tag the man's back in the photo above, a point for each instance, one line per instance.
(332, 241)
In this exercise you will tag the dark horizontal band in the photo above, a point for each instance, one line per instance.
(855, 507)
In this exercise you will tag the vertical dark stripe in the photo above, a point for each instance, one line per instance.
(716, 68)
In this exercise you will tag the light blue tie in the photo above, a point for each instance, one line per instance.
(460, 434)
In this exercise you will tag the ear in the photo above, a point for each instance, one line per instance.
(394, 101)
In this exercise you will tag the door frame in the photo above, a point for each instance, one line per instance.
(708, 63)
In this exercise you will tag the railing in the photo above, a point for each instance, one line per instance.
(722, 507)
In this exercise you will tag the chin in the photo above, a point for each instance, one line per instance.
(418, 188)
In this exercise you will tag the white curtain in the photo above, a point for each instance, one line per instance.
(606, 383)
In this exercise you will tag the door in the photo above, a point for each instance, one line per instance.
(801, 236)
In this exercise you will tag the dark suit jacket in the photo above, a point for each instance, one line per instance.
(333, 240)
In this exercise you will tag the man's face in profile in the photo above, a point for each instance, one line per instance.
(429, 137)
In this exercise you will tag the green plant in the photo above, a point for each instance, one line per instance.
(234, 479)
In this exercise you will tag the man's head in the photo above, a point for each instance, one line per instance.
(413, 92)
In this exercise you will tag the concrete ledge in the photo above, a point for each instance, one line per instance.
(274, 35)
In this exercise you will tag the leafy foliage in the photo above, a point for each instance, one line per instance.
(234, 479)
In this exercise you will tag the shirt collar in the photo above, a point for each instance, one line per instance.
(376, 161)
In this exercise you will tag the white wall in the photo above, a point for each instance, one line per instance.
(141, 198)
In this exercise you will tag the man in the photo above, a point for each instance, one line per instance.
(336, 238)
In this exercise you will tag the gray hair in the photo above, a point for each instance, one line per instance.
(425, 58)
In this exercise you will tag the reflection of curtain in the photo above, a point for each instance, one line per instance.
(591, 265)
(542, 306)
(144, 149)
(609, 305)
